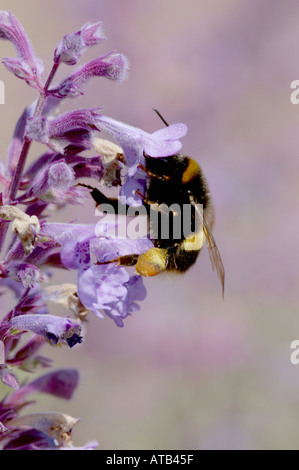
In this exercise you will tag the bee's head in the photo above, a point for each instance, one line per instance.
(167, 167)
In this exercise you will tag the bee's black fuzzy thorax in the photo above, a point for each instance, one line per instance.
(171, 181)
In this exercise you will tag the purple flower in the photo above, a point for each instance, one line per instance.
(108, 288)
(162, 143)
(120, 309)
(74, 240)
(73, 46)
(82, 242)
(54, 329)
(113, 66)
(27, 66)
(102, 287)
(98, 286)
(74, 127)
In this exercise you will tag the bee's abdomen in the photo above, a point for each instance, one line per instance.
(181, 260)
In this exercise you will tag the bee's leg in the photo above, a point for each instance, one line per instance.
(127, 260)
(148, 264)
(143, 168)
(150, 173)
(101, 199)
(143, 197)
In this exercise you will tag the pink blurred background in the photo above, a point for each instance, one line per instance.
(189, 370)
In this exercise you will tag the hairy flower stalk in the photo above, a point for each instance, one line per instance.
(37, 244)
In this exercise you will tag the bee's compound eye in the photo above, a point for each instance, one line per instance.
(152, 262)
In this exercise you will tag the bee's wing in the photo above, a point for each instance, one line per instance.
(214, 254)
(215, 257)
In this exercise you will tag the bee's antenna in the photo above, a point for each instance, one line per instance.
(161, 117)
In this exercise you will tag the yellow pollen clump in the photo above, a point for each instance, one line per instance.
(152, 262)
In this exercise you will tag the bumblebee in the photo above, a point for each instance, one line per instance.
(175, 186)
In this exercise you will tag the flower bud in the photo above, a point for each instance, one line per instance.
(73, 45)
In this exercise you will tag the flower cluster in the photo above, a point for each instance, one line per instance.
(38, 244)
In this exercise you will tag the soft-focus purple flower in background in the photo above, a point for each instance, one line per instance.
(61, 383)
